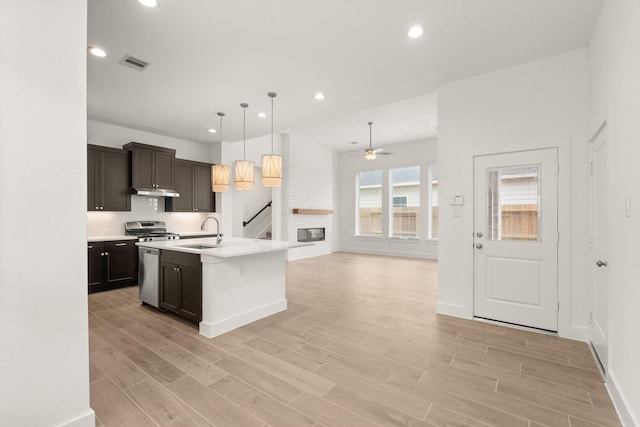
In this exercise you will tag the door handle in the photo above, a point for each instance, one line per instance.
(479, 245)
(601, 263)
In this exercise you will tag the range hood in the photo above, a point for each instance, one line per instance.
(155, 192)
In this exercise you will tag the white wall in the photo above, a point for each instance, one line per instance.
(615, 86)
(255, 148)
(539, 104)
(420, 153)
(143, 207)
(307, 184)
(253, 201)
(44, 354)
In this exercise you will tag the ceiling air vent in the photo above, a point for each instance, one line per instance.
(135, 63)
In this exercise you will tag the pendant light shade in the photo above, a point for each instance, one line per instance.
(243, 174)
(220, 173)
(243, 169)
(220, 178)
(271, 163)
(271, 170)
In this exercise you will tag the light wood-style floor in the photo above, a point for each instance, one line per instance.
(360, 345)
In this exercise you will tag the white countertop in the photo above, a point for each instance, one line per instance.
(230, 246)
(109, 238)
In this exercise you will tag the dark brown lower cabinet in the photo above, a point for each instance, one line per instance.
(181, 284)
(112, 265)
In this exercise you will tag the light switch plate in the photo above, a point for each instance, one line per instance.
(457, 199)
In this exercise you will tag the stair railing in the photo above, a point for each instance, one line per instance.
(268, 205)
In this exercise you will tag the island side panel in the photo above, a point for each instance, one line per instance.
(240, 290)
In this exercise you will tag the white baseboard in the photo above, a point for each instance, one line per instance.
(407, 254)
(452, 310)
(88, 419)
(620, 402)
(213, 329)
(576, 333)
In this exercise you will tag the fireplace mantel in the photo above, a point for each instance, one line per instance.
(300, 211)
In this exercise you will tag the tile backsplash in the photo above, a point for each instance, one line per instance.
(146, 208)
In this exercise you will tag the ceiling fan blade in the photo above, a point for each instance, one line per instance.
(378, 150)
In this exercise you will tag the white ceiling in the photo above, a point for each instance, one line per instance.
(210, 55)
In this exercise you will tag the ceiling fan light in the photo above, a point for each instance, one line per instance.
(271, 170)
(243, 175)
(370, 155)
(220, 178)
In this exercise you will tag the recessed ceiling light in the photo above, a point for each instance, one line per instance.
(148, 3)
(212, 130)
(96, 51)
(353, 142)
(319, 96)
(415, 32)
(261, 115)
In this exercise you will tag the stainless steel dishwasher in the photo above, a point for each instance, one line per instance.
(148, 270)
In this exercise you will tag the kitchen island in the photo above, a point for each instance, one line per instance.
(243, 280)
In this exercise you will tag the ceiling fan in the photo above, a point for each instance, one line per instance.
(370, 153)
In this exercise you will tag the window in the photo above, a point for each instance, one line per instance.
(405, 193)
(433, 201)
(400, 201)
(369, 216)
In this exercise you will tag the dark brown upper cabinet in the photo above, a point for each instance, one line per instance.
(152, 167)
(107, 179)
(193, 182)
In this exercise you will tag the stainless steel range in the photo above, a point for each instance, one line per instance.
(148, 258)
(149, 231)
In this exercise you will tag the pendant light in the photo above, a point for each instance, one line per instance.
(271, 163)
(243, 169)
(370, 154)
(220, 173)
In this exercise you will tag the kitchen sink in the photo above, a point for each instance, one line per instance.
(200, 246)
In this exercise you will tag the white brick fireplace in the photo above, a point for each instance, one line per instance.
(307, 184)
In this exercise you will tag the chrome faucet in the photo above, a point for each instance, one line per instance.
(218, 235)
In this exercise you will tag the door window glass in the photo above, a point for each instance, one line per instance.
(513, 203)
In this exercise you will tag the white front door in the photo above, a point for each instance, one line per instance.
(599, 187)
(516, 238)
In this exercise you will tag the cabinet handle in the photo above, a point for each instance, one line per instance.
(101, 253)
(121, 244)
(90, 247)
(106, 253)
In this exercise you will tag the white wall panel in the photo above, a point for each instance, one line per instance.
(44, 350)
(614, 88)
(534, 105)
